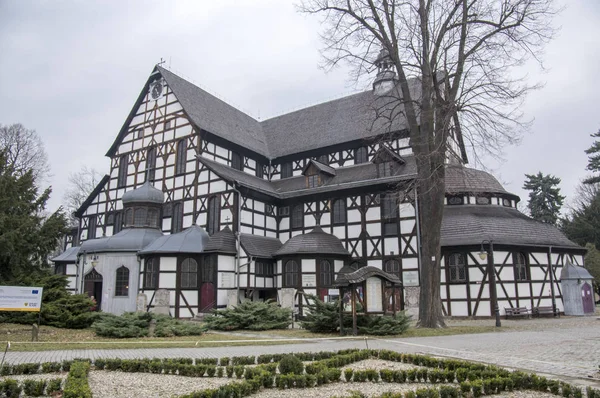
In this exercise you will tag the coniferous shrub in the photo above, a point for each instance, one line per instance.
(250, 315)
(291, 364)
(135, 324)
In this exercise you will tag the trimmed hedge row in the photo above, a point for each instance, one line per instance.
(11, 388)
(77, 385)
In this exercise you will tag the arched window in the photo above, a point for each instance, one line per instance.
(153, 218)
(151, 273)
(298, 216)
(384, 169)
(181, 157)
(128, 217)
(389, 214)
(457, 271)
(392, 267)
(122, 281)
(323, 159)
(177, 219)
(339, 211)
(214, 215)
(91, 227)
(326, 273)
(140, 217)
(236, 161)
(360, 155)
(151, 163)
(291, 274)
(189, 273)
(122, 180)
(520, 263)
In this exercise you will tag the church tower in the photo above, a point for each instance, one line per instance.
(386, 76)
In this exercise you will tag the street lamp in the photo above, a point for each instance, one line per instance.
(483, 254)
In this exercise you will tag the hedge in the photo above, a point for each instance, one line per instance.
(77, 385)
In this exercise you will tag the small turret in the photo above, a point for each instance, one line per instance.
(386, 76)
(143, 206)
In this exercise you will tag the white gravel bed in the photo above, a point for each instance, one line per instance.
(148, 385)
(43, 376)
(379, 364)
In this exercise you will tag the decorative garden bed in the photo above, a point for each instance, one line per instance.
(348, 373)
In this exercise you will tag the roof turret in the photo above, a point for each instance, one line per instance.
(316, 241)
(144, 194)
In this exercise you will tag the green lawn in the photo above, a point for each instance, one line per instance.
(51, 338)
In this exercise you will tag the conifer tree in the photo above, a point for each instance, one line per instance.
(545, 199)
(593, 153)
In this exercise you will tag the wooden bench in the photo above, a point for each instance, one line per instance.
(543, 310)
(516, 312)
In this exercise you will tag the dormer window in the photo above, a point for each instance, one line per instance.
(313, 181)
(236, 161)
(384, 169)
(286, 170)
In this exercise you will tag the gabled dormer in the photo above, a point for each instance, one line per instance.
(317, 173)
(387, 161)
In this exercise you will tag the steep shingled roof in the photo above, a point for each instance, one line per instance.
(470, 224)
(362, 274)
(460, 179)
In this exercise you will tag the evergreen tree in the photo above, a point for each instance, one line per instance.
(583, 224)
(27, 237)
(593, 153)
(545, 199)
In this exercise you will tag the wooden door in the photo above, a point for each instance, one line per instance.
(588, 299)
(207, 297)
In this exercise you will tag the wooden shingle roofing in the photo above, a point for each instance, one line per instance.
(316, 241)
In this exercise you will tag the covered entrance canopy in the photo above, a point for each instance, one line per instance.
(377, 291)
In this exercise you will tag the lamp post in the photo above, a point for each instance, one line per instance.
(483, 254)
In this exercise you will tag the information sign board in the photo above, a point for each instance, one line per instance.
(20, 298)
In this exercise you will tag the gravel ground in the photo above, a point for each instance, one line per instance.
(148, 385)
(379, 364)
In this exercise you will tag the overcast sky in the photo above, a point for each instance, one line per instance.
(72, 70)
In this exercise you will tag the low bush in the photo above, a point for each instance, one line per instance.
(135, 324)
(77, 385)
(250, 315)
(34, 388)
(53, 386)
(11, 388)
(291, 364)
(386, 325)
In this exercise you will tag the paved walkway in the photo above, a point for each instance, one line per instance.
(566, 348)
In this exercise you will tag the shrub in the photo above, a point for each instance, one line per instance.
(477, 388)
(224, 361)
(11, 388)
(449, 392)
(291, 364)
(250, 315)
(34, 388)
(387, 325)
(348, 374)
(53, 386)
(77, 385)
(135, 324)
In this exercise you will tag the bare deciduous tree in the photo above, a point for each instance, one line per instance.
(464, 54)
(24, 150)
(81, 184)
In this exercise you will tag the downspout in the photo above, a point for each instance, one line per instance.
(77, 277)
(551, 271)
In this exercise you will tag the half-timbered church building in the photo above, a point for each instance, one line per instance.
(214, 206)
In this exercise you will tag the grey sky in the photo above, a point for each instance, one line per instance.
(73, 70)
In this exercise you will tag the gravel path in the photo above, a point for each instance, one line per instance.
(43, 376)
(148, 385)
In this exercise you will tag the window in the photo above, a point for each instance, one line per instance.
(259, 170)
(128, 217)
(122, 180)
(140, 133)
(457, 267)
(284, 211)
(339, 211)
(167, 124)
(140, 217)
(151, 273)
(151, 163)
(269, 210)
(312, 181)
(482, 200)
(264, 268)
(384, 169)
(326, 275)
(455, 200)
(392, 267)
(286, 170)
(520, 262)
(360, 155)
(506, 202)
(209, 269)
(181, 157)
(122, 281)
(213, 216)
(323, 159)
(153, 218)
(60, 269)
(291, 274)
(118, 225)
(177, 218)
(389, 213)
(298, 216)
(236, 161)
(167, 210)
(189, 273)
(92, 227)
